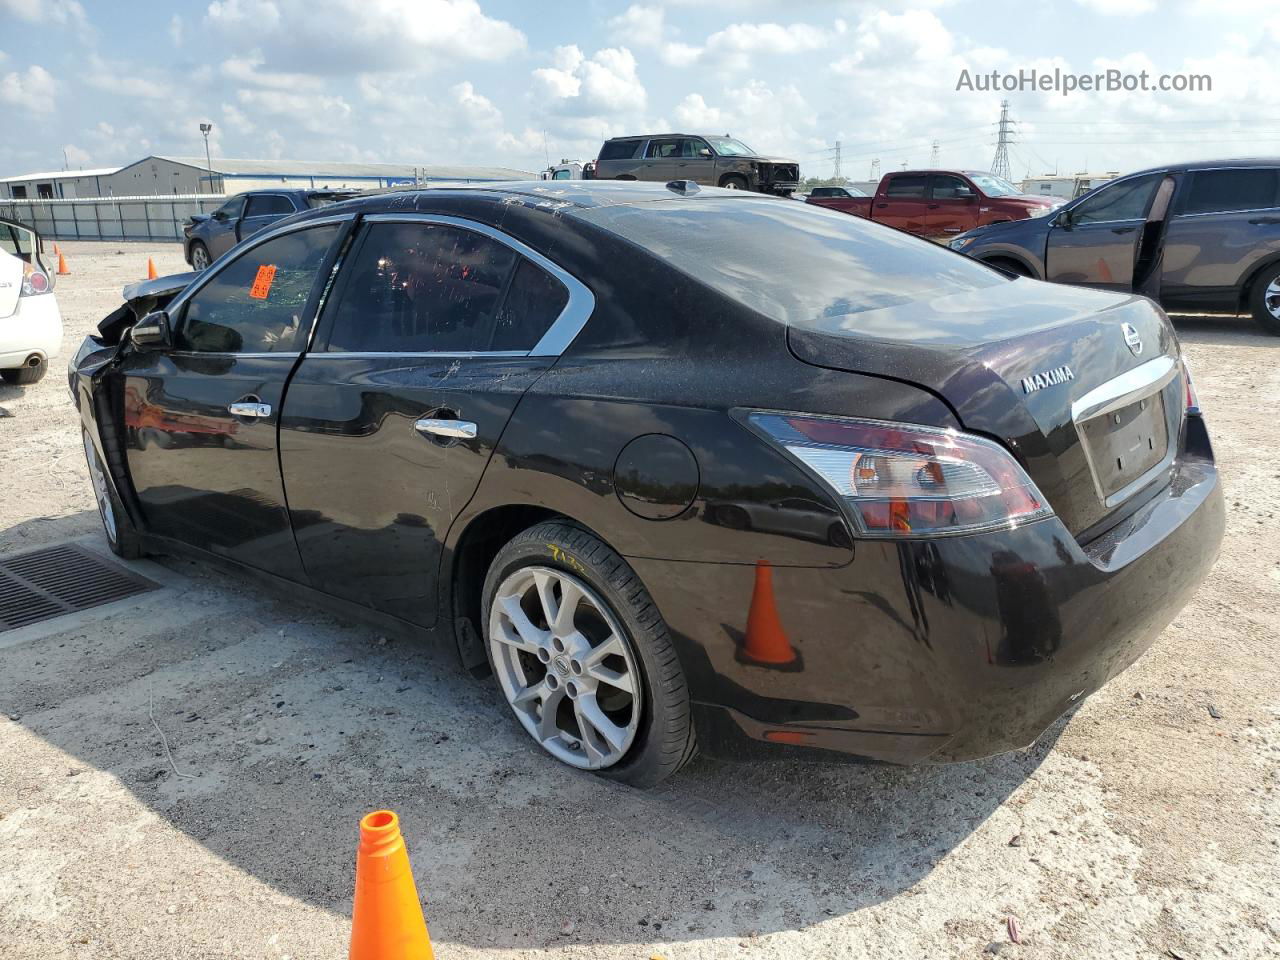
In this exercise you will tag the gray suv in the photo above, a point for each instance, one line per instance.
(714, 161)
(1197, 237)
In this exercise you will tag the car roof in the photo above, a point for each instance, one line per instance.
(1188, 165)
(657, 136)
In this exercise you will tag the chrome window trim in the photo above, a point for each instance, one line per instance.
(1227, 213)
(564, 328)
(1145, 380)
(223, 354)
(413, 355)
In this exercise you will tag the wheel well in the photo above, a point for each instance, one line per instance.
(1246, 288)
(479, 544)
(1008, 264)
(732, 176)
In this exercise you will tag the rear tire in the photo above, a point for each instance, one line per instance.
(556, 556)
(1264, 300)
(734, 182)
(122, 536)
(26, 375)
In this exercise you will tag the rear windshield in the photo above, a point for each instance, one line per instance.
(619, 149)
(795, 262)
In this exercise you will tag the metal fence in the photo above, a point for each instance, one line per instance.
(110, 218)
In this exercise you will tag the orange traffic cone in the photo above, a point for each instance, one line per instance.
(766, 643)
(151, 269)
(57, 252)
(62, 265)
(386, 921)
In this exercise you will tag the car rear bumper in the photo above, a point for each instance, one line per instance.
(942, 650)
(34, 328)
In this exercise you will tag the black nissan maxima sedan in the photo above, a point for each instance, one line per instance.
(682, 468)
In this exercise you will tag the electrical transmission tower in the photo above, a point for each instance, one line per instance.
(933, 154)
(1000, 165)
(836, 173)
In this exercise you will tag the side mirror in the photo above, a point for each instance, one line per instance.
(152, 331)
(964, 193)
(705, 152)
(1063, 219)
(218, 215)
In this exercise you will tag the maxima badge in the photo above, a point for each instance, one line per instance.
(1047, 378)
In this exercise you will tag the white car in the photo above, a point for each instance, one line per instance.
(30, 323)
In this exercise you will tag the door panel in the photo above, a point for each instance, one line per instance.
(1099, 245)
(903, 203)
(662, 159)
(692, 166)
(950, 212)
(203, 474)
(371, 497)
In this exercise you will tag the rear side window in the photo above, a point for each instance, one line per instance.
(256, 303)
(1222, 191)
(422, 288)
(271, 204)
(663, 149)
(907, 187)
(619, 149)
(532, 304)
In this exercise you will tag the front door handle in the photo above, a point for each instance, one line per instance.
(934, 206)
(452, 429)
(250, 408)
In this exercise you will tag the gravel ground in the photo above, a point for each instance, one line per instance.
(1146, 825)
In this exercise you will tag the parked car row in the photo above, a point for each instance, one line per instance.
(208, 236)
(684, 468)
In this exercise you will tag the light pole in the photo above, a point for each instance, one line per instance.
(206, 128)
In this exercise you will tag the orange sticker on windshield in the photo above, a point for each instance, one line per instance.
(262, 282)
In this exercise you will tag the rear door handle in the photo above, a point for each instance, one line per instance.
(453, 429)
(250, 408)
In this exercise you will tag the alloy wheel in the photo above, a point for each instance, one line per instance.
(565, 666)
(101, 493)
(1272, 298)
(199, 258)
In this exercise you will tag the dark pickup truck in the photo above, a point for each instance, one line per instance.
(710, 160)
(940, 203)
(1199, 237)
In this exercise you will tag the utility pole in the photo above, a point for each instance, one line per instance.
(933, 154)
(206, 129)
(835, 174)
(875, 169)
(1000, 165)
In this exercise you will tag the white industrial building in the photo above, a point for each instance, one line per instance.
(184, 176)
(1065, 186)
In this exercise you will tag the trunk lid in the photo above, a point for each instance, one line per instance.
(1046, 369)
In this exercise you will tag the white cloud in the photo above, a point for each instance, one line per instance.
(61, 12)
(247, 70)
(639, 26)
(693, 113)
(77, 158)
(1118, 8)
(604, 83)
(365, 36)
(175, 30)
(33, 88)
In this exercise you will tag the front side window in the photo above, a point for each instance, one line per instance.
(950, 188)
(994, 186)
(231, 209)
(257, 302)
(1126, 200)
(907, 187)
(421, 288)
(562, 175)
(1224, 191)
(268, 205)
(691, 148)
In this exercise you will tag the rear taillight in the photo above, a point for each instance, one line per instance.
(907, 481)
(1193, 402)
(35, 282)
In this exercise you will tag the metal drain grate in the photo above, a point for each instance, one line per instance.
(48, 583)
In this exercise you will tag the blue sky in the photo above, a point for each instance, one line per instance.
(491, 81)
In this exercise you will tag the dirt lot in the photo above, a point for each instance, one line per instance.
(1143, 826)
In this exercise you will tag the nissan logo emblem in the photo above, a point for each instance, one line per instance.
(1132, 338)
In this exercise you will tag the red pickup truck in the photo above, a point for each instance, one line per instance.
(938, 203)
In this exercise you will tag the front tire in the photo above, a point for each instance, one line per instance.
(25, 375)
(122, 537)
(200, 258)
(734, 182)
(1264, 300)
(583, 656)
